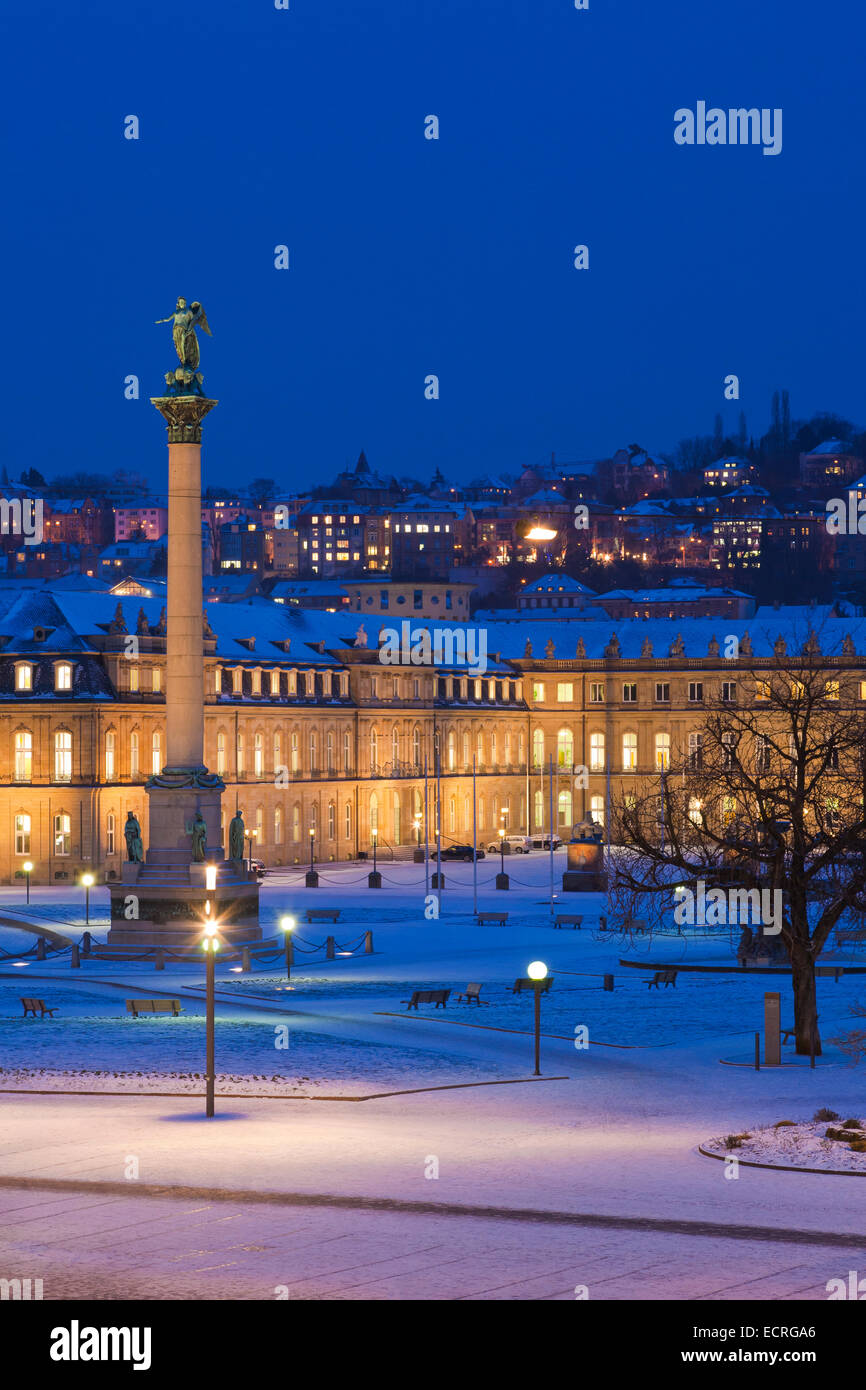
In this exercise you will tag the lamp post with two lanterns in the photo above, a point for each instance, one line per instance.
(210, 946)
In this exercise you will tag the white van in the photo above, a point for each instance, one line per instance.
(514, 844)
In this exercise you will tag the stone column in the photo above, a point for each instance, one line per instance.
(184, 645)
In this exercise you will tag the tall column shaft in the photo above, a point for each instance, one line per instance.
(184, 708)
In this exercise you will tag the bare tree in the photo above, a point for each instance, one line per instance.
(769, 792)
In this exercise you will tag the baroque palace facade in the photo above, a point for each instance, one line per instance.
(310, 732)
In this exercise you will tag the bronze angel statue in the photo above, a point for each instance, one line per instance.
(186, 320)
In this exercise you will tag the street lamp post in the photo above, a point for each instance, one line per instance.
(28, 870)
(251, 835)
(374, 880)
(537, 972)
(502, 876)
(288, 926)
(210, 946)
(418, 856)
(312, 879)
(87, 881)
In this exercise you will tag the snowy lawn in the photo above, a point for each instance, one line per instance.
(816, 1144)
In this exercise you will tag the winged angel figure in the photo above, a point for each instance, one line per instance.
(186, 320)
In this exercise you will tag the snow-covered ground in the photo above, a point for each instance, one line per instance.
(618, 1137)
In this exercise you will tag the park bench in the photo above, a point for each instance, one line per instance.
(520, 985)
(500, 917)
(31, 1006)
(322, 914)
(153, 1006)
(439, 997)
(567, 919)
(854, 937)
(472, 992)
(636, 926)
(662, 977)
(787, 1033)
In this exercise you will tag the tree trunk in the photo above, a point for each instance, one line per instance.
(805, 1000)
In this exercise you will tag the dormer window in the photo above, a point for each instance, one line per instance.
(63, 676)
(23, 676)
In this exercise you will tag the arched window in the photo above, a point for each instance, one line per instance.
(452, 815)
(479, 749)
(629, 752)
(482, 811)
(663, 752)
(347, 751)
(493, 758)
(695, 810)
(240, 754)
(374, 751)
(395, 746)
(507, 751)
(62, 834)
(110, 824)
(278, 752)
(260, 825)
(63, 676)
(467, 813)
(565, 748)
(466, 753)
(63, 756)
(538, 799)
(416, 747)
(24, 756)
(537, 747)
(221, 765)
(521, 748)
(374, 812)
(133, 755)
(258, 755)
(278, 825)
(564, 811)
(329, 753)
(295, 754)
(596, 809)
(332, 820)
(452, 750)
(296, 822)
(398, 818)
(313, 752)
(347, 825)
(505, 814)
(110, 755)
(596, 752)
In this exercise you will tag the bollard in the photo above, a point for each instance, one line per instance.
(368, 943)
(329, 948)
(602, 923)
(608, 983)
(40, 948)
(75, 961)
(246, 967)
(757, 1052)
(85, 944)
(159, 959)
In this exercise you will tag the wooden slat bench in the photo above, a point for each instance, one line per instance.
(31, 1006)
(472, 992)
(567, 919)
(545, 985)
(322, 914)
(662, 977)
(153, 1006)
(439, 997)
(500, 917)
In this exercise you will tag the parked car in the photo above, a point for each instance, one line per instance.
(543, 842)
(514, 844)
(463, 852)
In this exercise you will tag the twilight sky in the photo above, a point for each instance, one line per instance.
(305, 127)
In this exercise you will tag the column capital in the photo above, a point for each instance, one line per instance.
(183, 416)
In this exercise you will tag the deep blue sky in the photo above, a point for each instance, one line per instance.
(410, 256)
